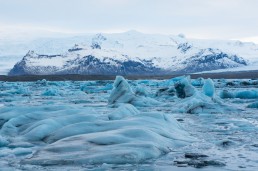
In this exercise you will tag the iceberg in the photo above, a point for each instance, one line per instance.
(122, 93)
(184, 88)
(132, 140)
(193, 101)
(208, 87)
(246, 94)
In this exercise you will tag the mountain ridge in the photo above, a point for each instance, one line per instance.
(133, 53)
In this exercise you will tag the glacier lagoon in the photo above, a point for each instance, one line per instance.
(180, 124)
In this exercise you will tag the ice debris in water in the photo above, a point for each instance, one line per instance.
(51, 91)
(141, 91)
(198, 82)
(42, 82)
(64, 130)
(208, 87)
(167, 91)
(21, 90)
(122, 93)
(171, 81)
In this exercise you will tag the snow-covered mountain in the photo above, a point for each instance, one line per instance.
(134, 53)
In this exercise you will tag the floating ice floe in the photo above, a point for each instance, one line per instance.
(35, 123)
(246, 94)
(122, 93)
(194, 101)
(133, 139)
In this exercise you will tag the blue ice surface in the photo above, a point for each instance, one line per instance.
(242, 94)
(127, 125)
(253, 105)
(208, 88)
(198, 82)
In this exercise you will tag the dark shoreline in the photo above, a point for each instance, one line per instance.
(74, 77)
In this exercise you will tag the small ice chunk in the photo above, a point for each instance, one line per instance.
(166, 91)
(198, 82)
(184, 88)
(253, 105)
(193, 101)
(208, 88)
(123, 111)
(139, 90)
(51, 91)
(3, 141)
(246, 94)
(225, 94)
(122, 92)
(22, 151)
(43, 82)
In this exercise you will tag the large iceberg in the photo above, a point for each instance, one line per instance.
(131, 140)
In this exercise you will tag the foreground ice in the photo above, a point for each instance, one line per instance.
(131, 140)
(175, 124)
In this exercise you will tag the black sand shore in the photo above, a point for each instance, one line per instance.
(226, 75)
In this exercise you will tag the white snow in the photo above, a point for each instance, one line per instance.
(161, 49)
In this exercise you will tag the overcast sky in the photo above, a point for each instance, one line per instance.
(217, 19)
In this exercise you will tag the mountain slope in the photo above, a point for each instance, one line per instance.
(134, 53)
